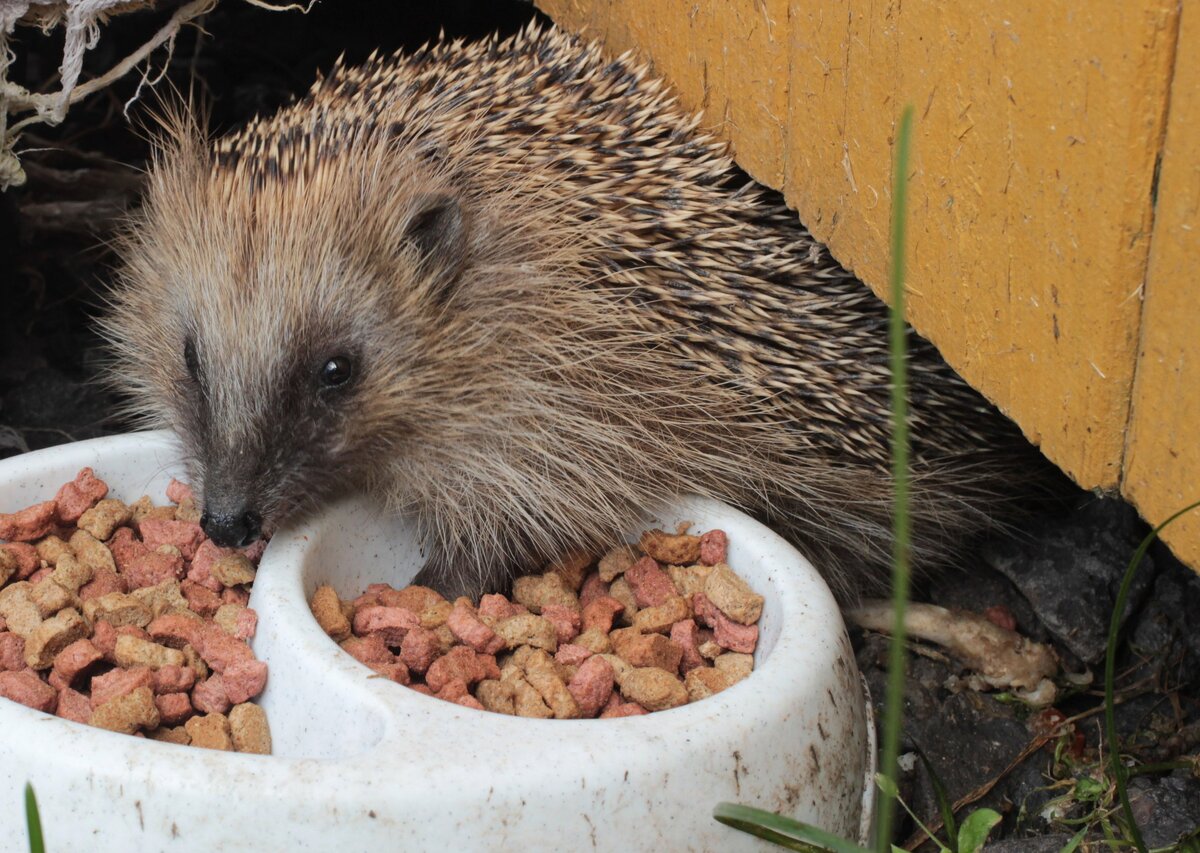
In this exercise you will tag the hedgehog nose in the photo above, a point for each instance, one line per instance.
(233, 529)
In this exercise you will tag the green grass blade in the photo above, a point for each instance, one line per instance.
(1077, 839)
(900, 572)
(784, 831)
(33, 821)
(1110, 663)
(945, 807)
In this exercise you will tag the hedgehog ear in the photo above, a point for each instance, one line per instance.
(438, 230)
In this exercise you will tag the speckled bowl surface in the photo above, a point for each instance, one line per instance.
(360, 761)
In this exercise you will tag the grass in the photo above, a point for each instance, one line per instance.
(33, 821)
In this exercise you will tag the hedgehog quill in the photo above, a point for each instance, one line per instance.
(511, 289)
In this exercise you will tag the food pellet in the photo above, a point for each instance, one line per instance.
(638, 629)
(126, 617)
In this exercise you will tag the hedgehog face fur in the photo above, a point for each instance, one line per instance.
(508, 288)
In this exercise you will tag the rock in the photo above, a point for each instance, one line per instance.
(1038, 844)
(1166, 809)
(1070, 568)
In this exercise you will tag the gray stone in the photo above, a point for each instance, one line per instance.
(1167, 809)
(1070, 570)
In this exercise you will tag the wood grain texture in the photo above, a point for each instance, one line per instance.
(1039, 128)
(1162, 473)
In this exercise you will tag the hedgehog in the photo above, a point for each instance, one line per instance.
(512, 290)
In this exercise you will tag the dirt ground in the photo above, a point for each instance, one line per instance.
(1041, 769)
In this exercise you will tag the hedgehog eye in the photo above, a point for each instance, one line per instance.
(190, 360)
(336, 371)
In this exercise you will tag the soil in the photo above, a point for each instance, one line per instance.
(1058, 580)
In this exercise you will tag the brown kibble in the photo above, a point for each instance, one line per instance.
(327, 610)
(127, 713)
(571, 568)
(527, 629)
(535, 591)
(117, 609)
(498, 696)
(672, 549)
(70, 573)
(527, 701)
(18, 608)
(689, 580)
(105, 517)
(177, 735)
(736, 664)
(660, 618)
(435, 616)
(233, 569)
(164, 597)
(92, 552)
(8, 566)
(706, 681)
(594, 640)
(52, 636)
(26, 556)
(732, 595)
(188, 510)
(623, 592)
(210, 731)
(616, 562)
(542, 674)
(132, 651)
(50, 597)
(653, 688)
(51, 549)
(249, 729)
(647, 650)
(728, 634)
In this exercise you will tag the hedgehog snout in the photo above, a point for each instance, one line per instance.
(235, 528)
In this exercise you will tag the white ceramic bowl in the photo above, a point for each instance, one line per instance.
(360, 761)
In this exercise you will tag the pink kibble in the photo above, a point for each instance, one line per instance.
(173, 708)
(75, 659)
(368, 650)
(178, 492)
(593, 588)
(153, 568)
(119, 682)
(469, 701)
(235, 595)
(254, 550)
(80, 495)
(461, 662)
(1000, 615)
(104, 637)
(174, 630)
(25, 687)
(103, 582)
(390, 623)
(184, 535)
(713, 546)
(498, 607)
(219, 649)
(617, 708)
(12, 652)
(244, 680)
(29, 524)
(570, 654)
(566, 621)
(40, 575)
(125, 548)
(73, 705)
(420, 648)
(200, 599)
(685, 634)
(420, 688)
(209, 695)
(592, 685)
(394, 671)
(28, 561)
(601, 612)
(246, 624)
(728, 634)
(200, 570)
(453, 690)
(465, 625)
(651, 585)
(173, 679)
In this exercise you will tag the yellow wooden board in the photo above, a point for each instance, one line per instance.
(1162, 473)
(1039, 124)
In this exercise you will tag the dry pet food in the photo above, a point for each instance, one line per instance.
(642, 628)
(126, 617)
